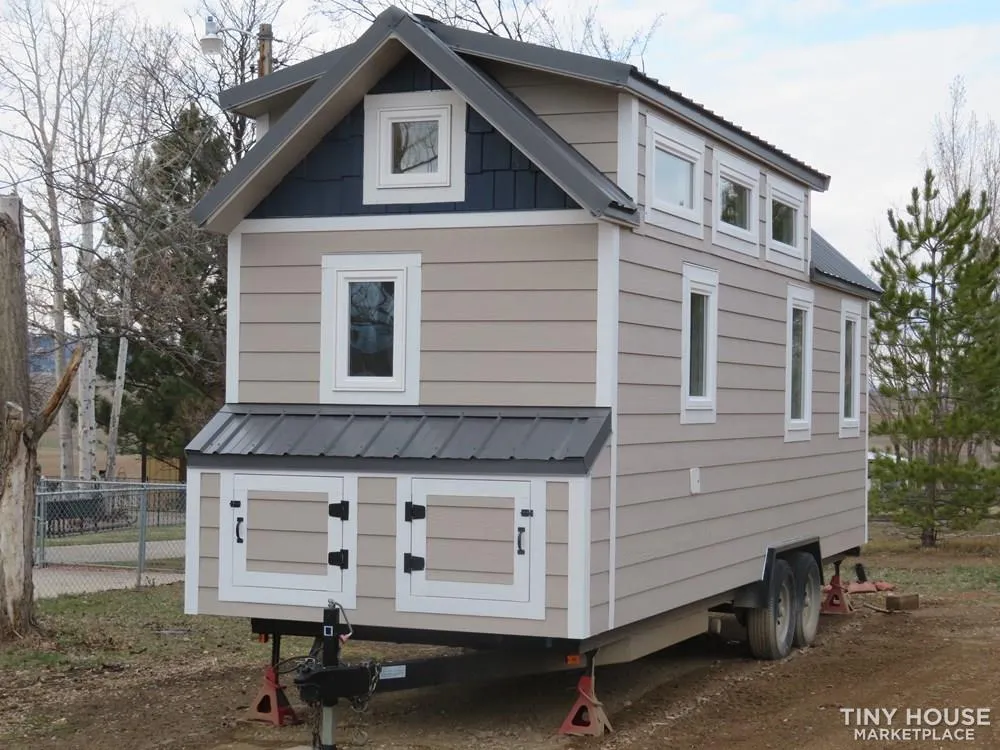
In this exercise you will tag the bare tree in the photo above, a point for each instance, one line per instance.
(33, 99)
(546, 22)
(20, 430)
(966, 155)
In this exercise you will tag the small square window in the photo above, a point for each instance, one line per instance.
(414, 148)
(798, 364)
(675, 168)
(786, 226)
(674, 183)
(850, 368)
(736, 206)
(699, 344)
(370, 329)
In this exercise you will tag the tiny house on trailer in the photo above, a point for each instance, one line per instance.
(524, 349)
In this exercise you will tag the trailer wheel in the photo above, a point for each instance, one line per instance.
(771, 628)
(808, 595)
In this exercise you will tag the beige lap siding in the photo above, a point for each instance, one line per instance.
(286, 532)
(469, 539)
(600, 535)
(756, 489)
(508, 314)
(376, 559)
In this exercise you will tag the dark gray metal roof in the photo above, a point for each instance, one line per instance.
(507, 440)
(833, 269)
(250, 98)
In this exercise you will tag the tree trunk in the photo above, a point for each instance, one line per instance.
(87, 380)
(928, 537)
(67, 454)
(124, 321)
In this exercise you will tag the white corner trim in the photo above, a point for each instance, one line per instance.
(850, 310)
(608, 287)
(741, 172)
(234, 261)
(226, 588)
(704, 281)
(192, 540)
(379, 185)
(799, 298)
(451, 220)
(335, 386)
(628, 145)
(578, 595)
(868, 307)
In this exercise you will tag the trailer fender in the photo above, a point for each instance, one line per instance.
(756, 594)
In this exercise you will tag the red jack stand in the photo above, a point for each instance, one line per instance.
(587, 717)
(836, 601)
(271, 704)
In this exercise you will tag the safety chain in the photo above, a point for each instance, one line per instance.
(360, 703)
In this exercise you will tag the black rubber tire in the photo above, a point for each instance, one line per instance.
(808, 597)
(770, 629)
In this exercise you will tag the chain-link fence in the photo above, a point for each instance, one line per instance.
(95, 536)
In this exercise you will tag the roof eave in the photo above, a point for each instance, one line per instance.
(835, 282)
(677, 105)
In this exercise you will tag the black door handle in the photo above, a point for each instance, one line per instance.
(239, 539)
(520, 538)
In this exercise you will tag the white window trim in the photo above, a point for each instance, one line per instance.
(799, 298)
(672, 139)
(741, 172)
(850, 310)
(533, 609)
(447, 185)
(790, 256)
(404, 387)
(700, 280)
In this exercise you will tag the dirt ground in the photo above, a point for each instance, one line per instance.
(704, 694)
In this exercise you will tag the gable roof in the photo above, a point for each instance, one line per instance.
(257, 96)
(831, 268)
(350, 76)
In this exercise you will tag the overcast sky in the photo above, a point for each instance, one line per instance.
(851, 87)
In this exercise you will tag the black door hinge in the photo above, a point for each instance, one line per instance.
(341, 510)
(412, 563)
(339, 559)
(527, 513)
(235, 503)
(413, 512)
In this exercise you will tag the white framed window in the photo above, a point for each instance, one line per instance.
(370, 329)
(699, 344)
(675, 175)
(786, 229)
(736, 204)
(798, 364)
(850, 368)
(414, 148)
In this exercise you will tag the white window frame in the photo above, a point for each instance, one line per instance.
(799, 298)
(742, 172)
(850, 310)
(447, 185)
(699, 280)
(336, 387)
(790, 256)
(685, 145)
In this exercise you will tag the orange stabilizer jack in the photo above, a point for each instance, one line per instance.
(587, 717)
(836, 601)
(271, 704)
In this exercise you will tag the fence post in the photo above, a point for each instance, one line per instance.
(41, 506)
(143, 510)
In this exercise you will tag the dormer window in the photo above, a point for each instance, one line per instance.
(786, 223)
(675, 171)
(414, 148)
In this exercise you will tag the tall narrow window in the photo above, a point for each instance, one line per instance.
(798, 364)
(699, 344)
(850, 368)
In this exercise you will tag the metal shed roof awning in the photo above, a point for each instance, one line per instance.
(504, 440)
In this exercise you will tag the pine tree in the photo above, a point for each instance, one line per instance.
(175, 374)
(936, 362)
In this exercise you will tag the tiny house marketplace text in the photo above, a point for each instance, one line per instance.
(953, 724)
